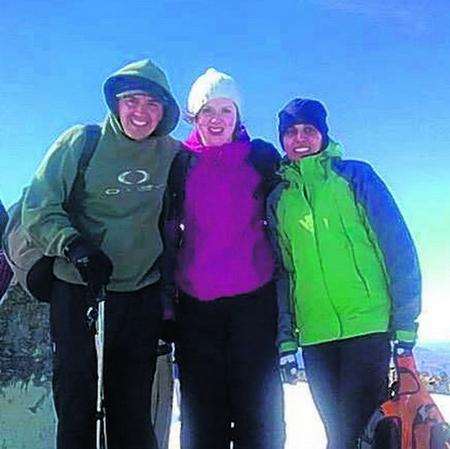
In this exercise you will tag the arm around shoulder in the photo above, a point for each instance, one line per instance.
(170, 225)
(264, 157)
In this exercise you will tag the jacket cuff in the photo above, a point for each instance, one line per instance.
(287, 346)
(70, 241)
(406, 336)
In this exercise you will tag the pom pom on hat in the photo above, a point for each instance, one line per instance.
(212, 84)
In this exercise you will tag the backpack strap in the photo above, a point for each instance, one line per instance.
(93, 133)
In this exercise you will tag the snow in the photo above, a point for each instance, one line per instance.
(304, 428)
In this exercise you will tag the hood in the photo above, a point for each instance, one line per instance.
(143, 75)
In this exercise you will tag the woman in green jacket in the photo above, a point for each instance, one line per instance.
(353, 281)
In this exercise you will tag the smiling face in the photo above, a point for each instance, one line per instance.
(139, 115)
(302, 140)
(216, 121)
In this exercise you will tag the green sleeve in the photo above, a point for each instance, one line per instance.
(43, 214)
(286, 335)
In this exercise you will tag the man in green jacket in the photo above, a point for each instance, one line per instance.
(111, 238)
(353, 281)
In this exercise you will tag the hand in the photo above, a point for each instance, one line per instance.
(92, 263)
(403, 342)
(169, 331)
(289, 368)
(403, 348)
(163, 348)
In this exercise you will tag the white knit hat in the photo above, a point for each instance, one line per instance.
(212, 84)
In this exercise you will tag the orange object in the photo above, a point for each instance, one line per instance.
(410, 419)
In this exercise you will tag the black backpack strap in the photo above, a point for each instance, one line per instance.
(93, 133)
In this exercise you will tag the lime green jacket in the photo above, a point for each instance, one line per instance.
(351, 265)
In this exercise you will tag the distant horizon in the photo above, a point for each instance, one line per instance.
(421, 343)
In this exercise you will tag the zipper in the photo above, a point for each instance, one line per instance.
(306, 195)
(358, 271)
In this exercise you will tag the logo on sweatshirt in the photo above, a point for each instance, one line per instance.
(131, 177)
(307, 222)
(136, 180)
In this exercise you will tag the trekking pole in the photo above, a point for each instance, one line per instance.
(96, 320)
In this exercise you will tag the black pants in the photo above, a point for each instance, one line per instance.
(229, 372)
(348, 381)
(132, 327)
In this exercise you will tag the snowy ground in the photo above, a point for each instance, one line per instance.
(304, 428)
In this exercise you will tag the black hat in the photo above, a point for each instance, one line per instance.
(304, 111)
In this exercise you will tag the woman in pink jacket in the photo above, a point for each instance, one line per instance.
(226, 310)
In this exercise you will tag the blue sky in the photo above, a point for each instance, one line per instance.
(381, 67)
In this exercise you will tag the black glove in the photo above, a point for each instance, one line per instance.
(168, 331)
(289, 368)
(163, 348)
(92, 263)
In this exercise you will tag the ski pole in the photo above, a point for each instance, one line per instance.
(96, 320)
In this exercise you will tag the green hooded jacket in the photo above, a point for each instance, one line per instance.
(125, 181)
(338, 278)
